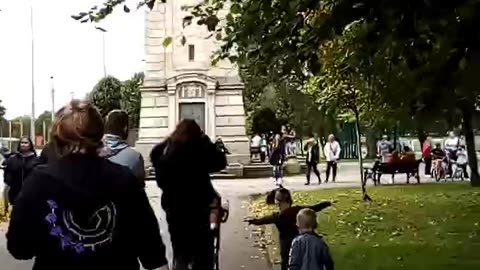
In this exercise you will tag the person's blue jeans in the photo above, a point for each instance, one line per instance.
(277, 172)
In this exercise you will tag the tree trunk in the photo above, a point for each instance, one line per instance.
(421, 135)
(371, 144)
(470, 142)
(395, 137)
(360, 158)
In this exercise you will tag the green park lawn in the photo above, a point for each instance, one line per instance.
(435, 226)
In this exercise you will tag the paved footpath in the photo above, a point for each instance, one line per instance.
(237, 251)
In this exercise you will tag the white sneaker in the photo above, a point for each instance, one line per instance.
(279, 182)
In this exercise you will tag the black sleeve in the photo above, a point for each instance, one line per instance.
(23, 233)
(43, 159)
(150, 247)
(8, 172)
(270, 219)
(319, 207)
(217, 160)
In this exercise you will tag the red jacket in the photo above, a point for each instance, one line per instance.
(426, 150)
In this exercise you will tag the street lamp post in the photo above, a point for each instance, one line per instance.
(32, 121)
(103, 56)
(103, 30)
(53, 99)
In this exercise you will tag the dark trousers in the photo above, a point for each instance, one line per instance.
(312, 166)
(464, 168)
(192, 240)
(332, 165)
(277, 171)
(428, 166)
(262, 156)
(285, 245)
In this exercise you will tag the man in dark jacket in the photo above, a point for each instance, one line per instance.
(116, 148)
(313, 156)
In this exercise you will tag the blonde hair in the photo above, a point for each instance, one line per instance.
(306, 219)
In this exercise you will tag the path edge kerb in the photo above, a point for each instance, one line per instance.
(269, 231)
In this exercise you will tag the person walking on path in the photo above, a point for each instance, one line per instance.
(277, 159)
(82, 211)
(427, 155)
(309, 250)
(332, 154)
(263, 148)
(284, 219)
(116, 148)
(313, 156)
(384, 147)
(18, 167)
(183, 164)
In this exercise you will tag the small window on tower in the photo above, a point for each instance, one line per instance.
(191, 52)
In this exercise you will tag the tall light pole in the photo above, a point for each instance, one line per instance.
(53, 98)
(103, 30)
(103, 56)
(32, 122)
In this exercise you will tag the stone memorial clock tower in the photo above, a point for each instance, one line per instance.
(181, 83)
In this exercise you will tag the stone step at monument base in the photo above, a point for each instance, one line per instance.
(252, 170)
(238, 171)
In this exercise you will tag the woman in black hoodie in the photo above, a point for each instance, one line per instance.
(82, 211)
(183, 164)
(18, 167)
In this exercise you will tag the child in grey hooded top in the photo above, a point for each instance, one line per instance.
(309, 251)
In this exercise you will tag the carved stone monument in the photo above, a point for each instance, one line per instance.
(181, 83)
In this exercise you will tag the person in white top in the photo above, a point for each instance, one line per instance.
(332, 154)
(452, 142)
(451, 145)
(462, 160)
(256, 140)
(255, 146)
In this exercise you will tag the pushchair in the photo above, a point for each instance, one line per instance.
(457, 171)
(218, 215)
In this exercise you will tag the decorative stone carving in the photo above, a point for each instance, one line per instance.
(191, 90)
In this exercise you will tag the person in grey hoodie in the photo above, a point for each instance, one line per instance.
(116, 148)
(309, 251)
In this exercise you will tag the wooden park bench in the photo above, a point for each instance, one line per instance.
(408, 167)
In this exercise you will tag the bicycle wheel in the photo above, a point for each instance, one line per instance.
(436, 175)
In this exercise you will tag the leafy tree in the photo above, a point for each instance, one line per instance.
(21, 126)
(45, 117)
(107, 95)
(98, 13)
(131, 98)
(340, 88)
(265, 121)
(110, 94)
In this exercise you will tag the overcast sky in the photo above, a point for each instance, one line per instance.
(65, 49)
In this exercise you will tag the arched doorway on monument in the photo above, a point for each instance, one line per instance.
(193, 110)
(191, 103)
